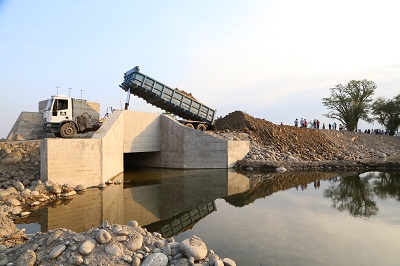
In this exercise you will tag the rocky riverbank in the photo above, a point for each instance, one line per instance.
(22, 190)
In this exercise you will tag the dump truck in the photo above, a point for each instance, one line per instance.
(194, 113)
(66, 117)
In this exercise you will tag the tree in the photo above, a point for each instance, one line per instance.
(350, 102)
(387, 113)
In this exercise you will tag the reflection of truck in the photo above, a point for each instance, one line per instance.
(65, 117)
(174, 101)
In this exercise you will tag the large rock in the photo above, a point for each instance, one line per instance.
(136, 241)
(27, 259)
(103, 237)
(87, 247)
(193, 247)
(56, 251)
(155, 259)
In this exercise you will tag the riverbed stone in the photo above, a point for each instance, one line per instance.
(381, 155)
(103, 236)
(75, 260)
(80, 187)
(27, 259)
(193, 247)
(55, 188)
(54, 236)
(136, 241)
(155, 259)
(228, 262)
(13, 202)
(112, 250)
(56, 251)
(87, 247)
(19, 186)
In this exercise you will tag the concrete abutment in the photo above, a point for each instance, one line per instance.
(146, 139)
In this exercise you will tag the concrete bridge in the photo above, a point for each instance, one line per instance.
(137, 138)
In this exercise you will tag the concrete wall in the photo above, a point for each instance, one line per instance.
(111, 135)
(72, 161)
(142, 132)
(186, 148)
(85, 161)
(29, 126)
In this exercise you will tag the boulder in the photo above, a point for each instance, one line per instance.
(193, 247)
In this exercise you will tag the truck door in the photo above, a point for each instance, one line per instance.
(61, 110)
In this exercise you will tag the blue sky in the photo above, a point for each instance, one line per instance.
(272, 59)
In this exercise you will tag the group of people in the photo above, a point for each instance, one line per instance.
(333, 126)
(304, 123)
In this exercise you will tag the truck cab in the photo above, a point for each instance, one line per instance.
(66, 117)
(58, 112)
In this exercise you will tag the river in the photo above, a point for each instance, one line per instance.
(303, 218)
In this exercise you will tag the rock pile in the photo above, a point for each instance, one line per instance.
(19, 163)
(275, 145)
(110, 244)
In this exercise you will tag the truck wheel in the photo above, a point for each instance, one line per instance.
(201, 127)
(68, 131)
(189, 125)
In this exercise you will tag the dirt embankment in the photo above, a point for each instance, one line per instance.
(305, 148)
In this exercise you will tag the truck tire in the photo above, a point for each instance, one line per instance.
(68, 131)
(201, 127)
(189, 125)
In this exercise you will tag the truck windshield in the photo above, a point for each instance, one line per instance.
(49, 103)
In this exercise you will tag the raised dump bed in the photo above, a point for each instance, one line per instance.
(168, 99)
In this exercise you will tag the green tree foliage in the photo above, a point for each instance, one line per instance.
(387, 112)
(350, 102)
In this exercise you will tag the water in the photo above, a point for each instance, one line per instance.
(306, 218)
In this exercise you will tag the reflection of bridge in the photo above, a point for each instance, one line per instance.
(150, 202)
(182, 221)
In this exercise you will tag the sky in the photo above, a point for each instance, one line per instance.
(273, 59)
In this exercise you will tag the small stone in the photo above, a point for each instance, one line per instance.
(75, 260)
(136, 261)
(87, 247)
(13, 202)
(103, 236)
(24, 214)
(281, 169)
(133, 223)
(155, 259)
(136, 241)
(56, 251)
(79, 238)
(112, 250)
(193, 247)
(228, 262)
(80, 187)
(55, 188)
(54, 236)
(27, 259)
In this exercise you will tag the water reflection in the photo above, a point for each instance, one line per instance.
(357, 194)
(173, 201)
(266, 184)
